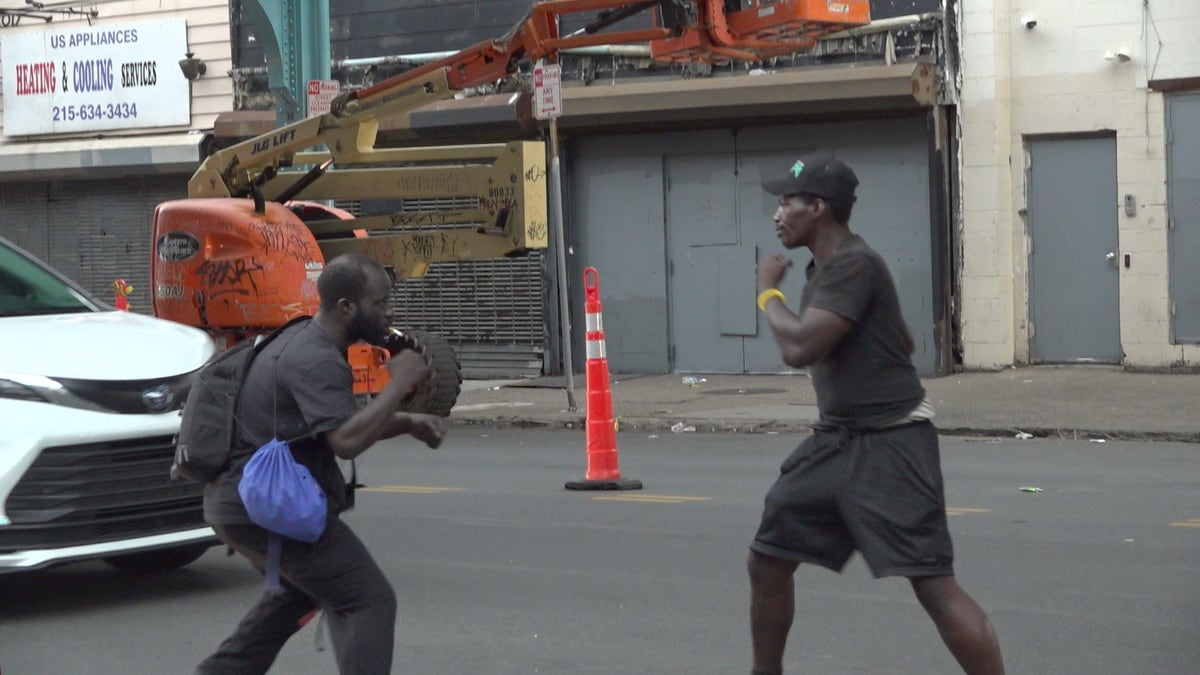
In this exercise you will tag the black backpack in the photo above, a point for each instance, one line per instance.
(208, 428)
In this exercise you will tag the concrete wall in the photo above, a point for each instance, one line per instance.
(1055, 79)
(207, 37)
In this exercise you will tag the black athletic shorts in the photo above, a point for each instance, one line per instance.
(877, 492)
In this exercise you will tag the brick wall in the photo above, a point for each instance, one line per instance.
(1055, 79)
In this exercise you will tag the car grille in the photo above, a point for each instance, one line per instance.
(96, 492)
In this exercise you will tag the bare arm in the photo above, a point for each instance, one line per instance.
(806, 338)
(429, 429)
(379, 419)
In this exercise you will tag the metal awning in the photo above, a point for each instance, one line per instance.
(92, 157)
(801, 92)
(797, 93)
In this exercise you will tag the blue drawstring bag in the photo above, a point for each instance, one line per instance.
(282, 497)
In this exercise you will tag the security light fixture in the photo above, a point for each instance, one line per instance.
(192, 67)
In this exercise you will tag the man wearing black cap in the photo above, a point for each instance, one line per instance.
(869, 478)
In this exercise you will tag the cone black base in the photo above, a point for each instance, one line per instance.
(618, 484)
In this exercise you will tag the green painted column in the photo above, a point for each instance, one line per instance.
(294, 35)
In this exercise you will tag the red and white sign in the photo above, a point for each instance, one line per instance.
(547, 91)
(320, 96)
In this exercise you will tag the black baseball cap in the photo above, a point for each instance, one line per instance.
(826, 177)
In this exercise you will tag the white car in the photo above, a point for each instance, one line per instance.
(89, 405)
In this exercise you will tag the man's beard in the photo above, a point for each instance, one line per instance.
(364, 328)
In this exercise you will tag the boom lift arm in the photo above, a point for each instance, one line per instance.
(504, 183)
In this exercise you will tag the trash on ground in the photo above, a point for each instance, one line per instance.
(1031, 489)
(1024, 436)
(680, 427)
(1097, 440)
(693, 381)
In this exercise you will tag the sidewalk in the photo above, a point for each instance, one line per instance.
(1085, 402)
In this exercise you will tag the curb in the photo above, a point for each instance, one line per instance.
(657, 424)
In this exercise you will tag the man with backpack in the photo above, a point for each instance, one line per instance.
(299, 388)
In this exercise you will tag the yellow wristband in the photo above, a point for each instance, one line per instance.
(767, 295)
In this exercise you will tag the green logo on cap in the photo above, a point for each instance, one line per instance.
(797, 168)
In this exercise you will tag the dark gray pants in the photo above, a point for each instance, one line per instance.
(336, 574)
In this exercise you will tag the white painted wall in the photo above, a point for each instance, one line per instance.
(1052, 79)
(207, 37)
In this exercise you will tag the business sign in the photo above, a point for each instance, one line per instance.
(95, 78)
(320, 96)
(547, 91)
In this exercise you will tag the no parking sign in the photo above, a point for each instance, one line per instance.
(547, 91)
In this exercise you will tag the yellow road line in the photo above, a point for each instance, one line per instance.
(651, 499)
(963, 510)
(1190, 522)
(412, 489)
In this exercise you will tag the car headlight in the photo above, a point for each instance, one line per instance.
(30, 388)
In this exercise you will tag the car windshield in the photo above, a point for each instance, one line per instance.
(27, 288)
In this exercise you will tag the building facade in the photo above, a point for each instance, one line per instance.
(1079, 164)
(1028, 170)
(100, 124)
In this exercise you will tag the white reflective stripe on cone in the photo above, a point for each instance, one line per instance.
(594, 322)
(595, 349)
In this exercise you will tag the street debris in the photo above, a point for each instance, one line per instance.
(693, 381)
(679, 428)
(1024, 436)
(1031, 489)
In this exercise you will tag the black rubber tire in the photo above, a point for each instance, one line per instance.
(440, 393)
(158, 560)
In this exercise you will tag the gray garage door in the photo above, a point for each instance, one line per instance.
(93, 231)
(1183, 201)
(674, 223)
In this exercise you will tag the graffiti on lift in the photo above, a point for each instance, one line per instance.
(425, 218)
(260, 314)
(427, 247)
(536, 231)
(535, 173)
(445, 182)
(229, 277)
(495, 205)
(288, 241)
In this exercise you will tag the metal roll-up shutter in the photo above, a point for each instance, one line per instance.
(93, 231)
(491, 311)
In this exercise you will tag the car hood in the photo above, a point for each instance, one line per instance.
(101, 346)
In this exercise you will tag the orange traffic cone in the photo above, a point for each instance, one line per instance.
(602, 472)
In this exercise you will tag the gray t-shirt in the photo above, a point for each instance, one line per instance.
(869, 380)
(298, 387)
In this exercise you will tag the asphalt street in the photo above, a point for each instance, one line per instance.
(500, 570)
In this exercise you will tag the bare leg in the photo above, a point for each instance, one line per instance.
(963, 625)
(772, 606)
